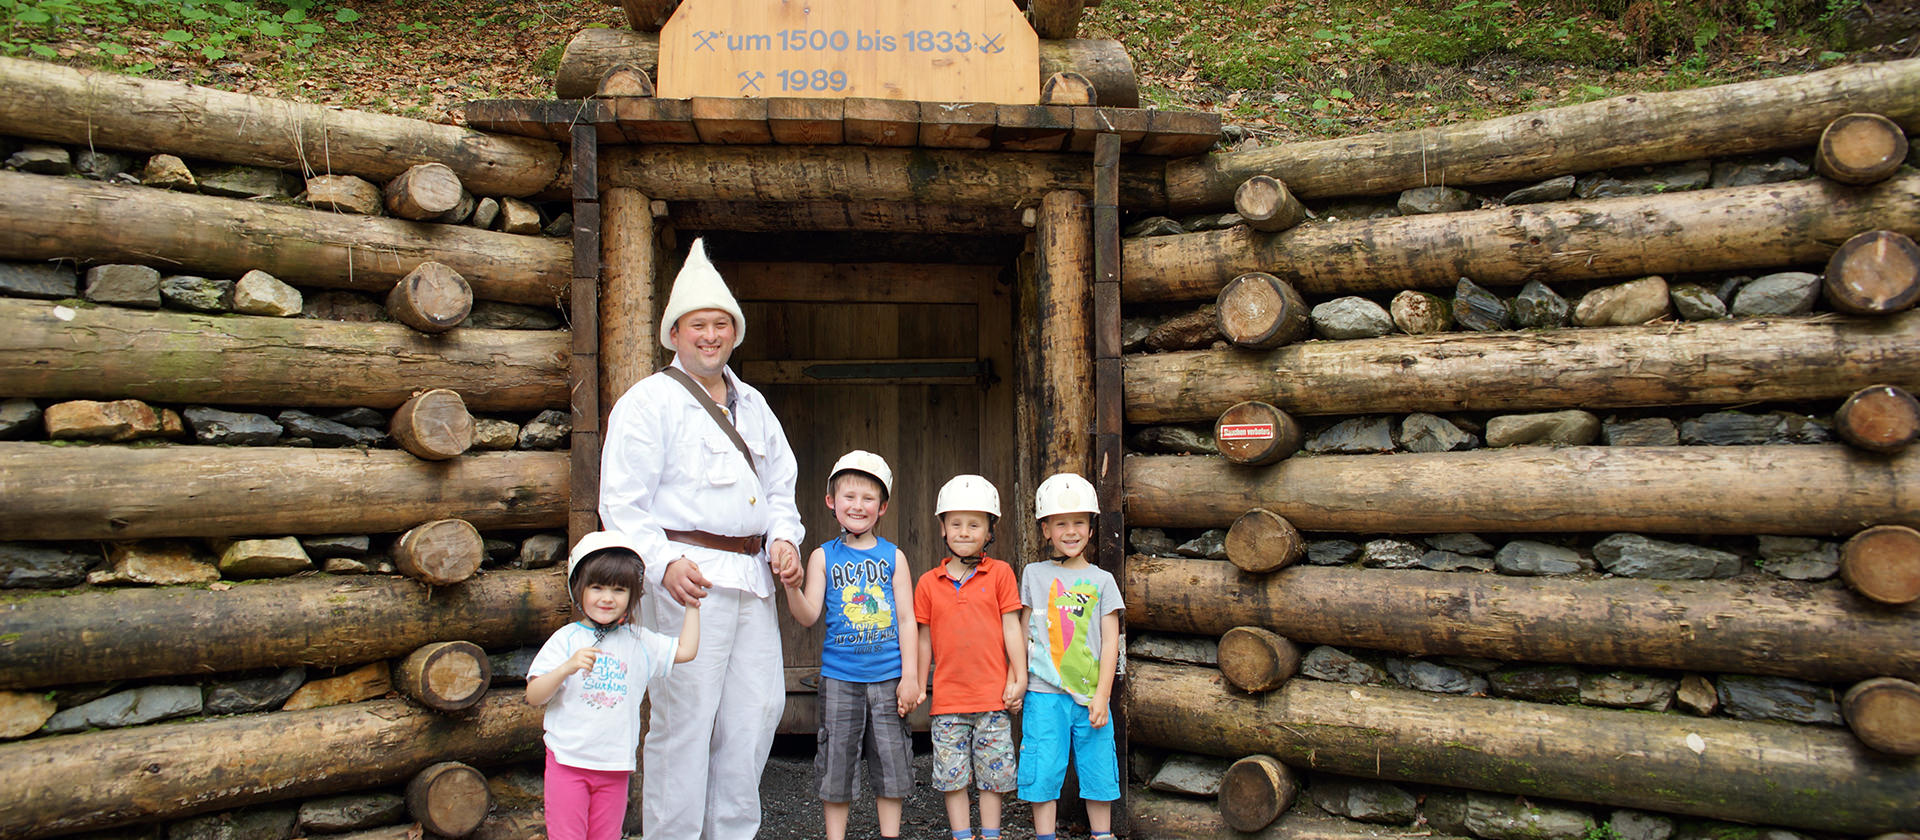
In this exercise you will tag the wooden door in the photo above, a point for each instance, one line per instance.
(912, 362)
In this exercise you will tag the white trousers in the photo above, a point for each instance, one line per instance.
(713, 719)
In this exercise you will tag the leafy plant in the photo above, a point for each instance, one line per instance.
(210, 28)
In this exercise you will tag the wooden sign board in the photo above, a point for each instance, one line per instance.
(921, 50)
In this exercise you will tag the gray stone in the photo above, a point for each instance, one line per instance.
(1638, 825)
(1192, 775)
(1531, 558)
(1371, 802)
(352, 812)
(1152, 542)
(1173, 440)
(510, 667)
(36, 565)
(1193, 650)
(260, 293)
(1695, 302)
(262, 823)
(499, 550)
(1635, 556)
(1133, 334)
(1738, 173)
(19, 418)
(517, 216)
(1446, 811)
(562, 225)
(365, 418)
(1492, 817)
(1552, 189)
(1154, 226)
(485, 212)
(1539, 307)
(541, 551)
(214, 427)
(254, 694)
(1799, 558)
(1572, 427)
(128, 708)
(1359, 209)
(1450, 561)
(1332, 552)
(276, 557)
(339, 305)
(349, 566)
(495, 315)
(1729, 288)
(154, 563)
(1777, 698)
(1691, 175)
(1422, 675)
(549, 430)
(1477, 309)
(1389, 554)
(1420, 432)
(100, 166)
(1696, 694)
(492, 435)
(1801, 428)
(125, 285)
(326, 433)
(168, 173)
(239, 181)
(1624, 304)
(1733, 428)
(1645, 431)
(1459, 544)
(1421, 313)
(347, 545)
(1353, 436)
(1620, 690)
(1211, 221)
(1192, 330)
(42, 280)
(1211, 544)
(1536, 683)
(1351, 317)
(199, 294)
(42, 159)
(1423, 200)
(1781, 293)
(1335, 665)
(343, 194)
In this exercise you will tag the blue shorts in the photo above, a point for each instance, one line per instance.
(1051, 725)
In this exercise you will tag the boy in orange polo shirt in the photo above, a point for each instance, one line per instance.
(967, 599)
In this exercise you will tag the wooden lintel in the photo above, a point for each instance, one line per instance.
(851, 282)
(1090, 123)
(865, 372)
(653, 120)
(547, 119)
(882, 122)
(807, 122)
(957, 125)
(828, 215)
(733, 122)
(1033, 128)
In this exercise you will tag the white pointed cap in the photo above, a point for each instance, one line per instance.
(699, 287)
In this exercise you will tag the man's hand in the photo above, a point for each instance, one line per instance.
(684, 582)
(785, 560)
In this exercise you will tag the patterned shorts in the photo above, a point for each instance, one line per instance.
(974, 748)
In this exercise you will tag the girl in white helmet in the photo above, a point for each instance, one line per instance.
(591, 676)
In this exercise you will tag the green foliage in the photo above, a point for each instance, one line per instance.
(1601, 831)
(210, 28)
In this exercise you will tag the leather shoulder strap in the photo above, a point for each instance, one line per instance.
(713, 410)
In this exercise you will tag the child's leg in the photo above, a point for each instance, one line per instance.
(994, 765)
(1100, 817)
(889, 752)
(953, 768)
(960, 813)
(1097, 759)
(836, 816)
(607, 803)
(566, 801)
(990, 810)
(888, 808)
(1045, 726)
(843, 723)
(1043, 814)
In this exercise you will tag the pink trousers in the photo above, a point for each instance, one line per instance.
(585, 804)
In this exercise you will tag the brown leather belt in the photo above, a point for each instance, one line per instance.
(737, 545)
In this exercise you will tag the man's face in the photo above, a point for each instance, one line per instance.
(703, 339)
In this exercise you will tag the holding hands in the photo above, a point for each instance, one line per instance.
(684, 582)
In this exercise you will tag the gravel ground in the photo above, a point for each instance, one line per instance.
(791, 811)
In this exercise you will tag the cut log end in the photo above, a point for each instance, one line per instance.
(448, 799)
(1260, 311)
(446, 676)
(625, 80)
(1257, 659)
(1256, 791)
(1067, 88)
(1882, 418)
(1882, 563)
(1874, 273)
(1884, 713)
(439, 553)
(423, 192)
(1267, 204)
(433, 426)
(1262, 541)
(432, 298)
(1860, 149)
(1254, 433)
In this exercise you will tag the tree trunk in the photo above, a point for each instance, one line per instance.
(1262, 541)
(1672, 233)
(432, 298)
(625, 80)
(1267, 205)
(1595, 368)
(629, 337)
(1884, 714)
(1158, 816)
(1259, 311)
(1882, 563)
(122, 493)
(648, 15)
(444, 676)
(1255, 434)
(109, 110)
(1860, 149)
(45, 218)
(1874, 273)
(433, 425)
(69, 783)
(422, 192)
(130, 634)
(1765, 773)
(1257, 659)
(592, 52)
(1256, 791)
(1882, 418)
(439, 553)
(1054, 19)
(449, 799)
(175, 357)
(1642, 128)
(1780, 628)
(860, 173)
(1063, 366)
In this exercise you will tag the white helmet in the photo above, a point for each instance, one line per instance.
(1065, 493)
(862, 461)
(968, 492)
(591, 543)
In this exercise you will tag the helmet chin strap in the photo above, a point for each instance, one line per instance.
(969, 561)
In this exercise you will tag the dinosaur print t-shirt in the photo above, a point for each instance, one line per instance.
(1063, 630)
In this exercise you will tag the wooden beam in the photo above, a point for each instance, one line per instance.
(967, 372)
(1064, 367)
(855, 282)
(835, 216)
(629, 308)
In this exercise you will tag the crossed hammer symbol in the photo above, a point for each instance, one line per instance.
(750, 81)
(706, 40)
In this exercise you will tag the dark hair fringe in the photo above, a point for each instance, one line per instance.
(609, 567)
(833, 482)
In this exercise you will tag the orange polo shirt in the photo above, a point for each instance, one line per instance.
(969, 652)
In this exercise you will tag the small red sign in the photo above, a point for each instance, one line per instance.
(1246, 431)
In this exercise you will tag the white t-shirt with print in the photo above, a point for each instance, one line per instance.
(593, 721)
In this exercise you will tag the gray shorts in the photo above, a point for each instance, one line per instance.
(859, 719)
(974, 748)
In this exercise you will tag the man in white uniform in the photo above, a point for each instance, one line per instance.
(709, 526)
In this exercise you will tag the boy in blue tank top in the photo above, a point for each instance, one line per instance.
(861, 584)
